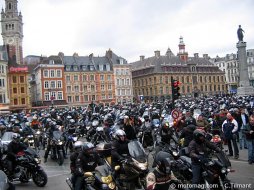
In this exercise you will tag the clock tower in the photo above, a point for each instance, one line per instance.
(12, 31)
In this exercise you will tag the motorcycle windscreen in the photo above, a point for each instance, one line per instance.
(136, 150)
(102, 170)
(222, 157)
(30, 151)
(4, 185)
(7, 136)
(57, 135)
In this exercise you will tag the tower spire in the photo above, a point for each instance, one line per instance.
(182, 54)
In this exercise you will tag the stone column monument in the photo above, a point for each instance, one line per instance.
(244, 83)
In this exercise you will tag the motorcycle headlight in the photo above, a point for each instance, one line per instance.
(175, 153)
(106, 180)
(112, 185)
(30, 136)
(139, 134)
(60, 142)
(38, 132)
(37, 160)
(142, 166)
(75, 138)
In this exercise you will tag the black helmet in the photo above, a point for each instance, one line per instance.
(78, 145)
(146, 117)
(197, 134)
(88, 148)
(15, 137)
(163, 163)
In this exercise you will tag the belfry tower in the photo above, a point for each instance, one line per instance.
(12, 31)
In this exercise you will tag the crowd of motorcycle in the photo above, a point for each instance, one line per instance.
(151, 131)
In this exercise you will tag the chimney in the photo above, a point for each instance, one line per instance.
(142, 57)
(157, 53)
(205, 56)
(109, 53)
(196, 55)
(91, 56)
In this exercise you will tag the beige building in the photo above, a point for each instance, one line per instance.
(152, 76)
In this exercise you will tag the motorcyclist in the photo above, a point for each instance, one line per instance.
(87, 161)
(27, 130)
(187, 134)
(119, 147)
(198, 152)
(162, 176)
(73, 158)
(35, 124)
(166, 132)
(13, 148)
(52, 128)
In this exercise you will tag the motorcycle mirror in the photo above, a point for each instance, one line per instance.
(117, 168)
(88, 174)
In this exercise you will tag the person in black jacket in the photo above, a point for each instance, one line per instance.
(119, 147)
(197, 148)
(13, 148)
(129, 129)
(187, 134)
(87, 161)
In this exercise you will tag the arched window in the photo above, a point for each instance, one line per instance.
(10, 6)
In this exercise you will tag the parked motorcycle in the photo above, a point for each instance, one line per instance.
(57, 143)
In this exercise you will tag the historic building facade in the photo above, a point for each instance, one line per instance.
(12, 31)
(48, 83)
(123, 78)
(4, 90)
(18, 77)
(88, 79)
(198, 76)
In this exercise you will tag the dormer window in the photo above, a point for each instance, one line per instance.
(68, 68)
(75, 68)
(84, 67)
(91, 68)
(193, 69)
(108, 67)
(51, 62)
(121, 61)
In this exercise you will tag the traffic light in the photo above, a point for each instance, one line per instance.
(175, 89)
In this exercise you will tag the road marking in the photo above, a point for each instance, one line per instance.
(56, 175)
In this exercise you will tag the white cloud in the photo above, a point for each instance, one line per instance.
(134, 27)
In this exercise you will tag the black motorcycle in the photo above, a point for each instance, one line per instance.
(27, 168)
(57, 144)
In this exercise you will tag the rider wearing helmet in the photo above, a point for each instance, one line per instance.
(35, 124)
(119, 146)
(73, 158)
(87, 161)
(13, 148)
(161, 177)
(197, 148)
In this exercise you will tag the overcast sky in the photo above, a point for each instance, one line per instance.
(134, 27)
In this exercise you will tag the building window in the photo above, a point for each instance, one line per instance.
(15, 101)
(46, 73)
(93, 97)
(76, 98)
(110, 96)
(59, 84)
(161, 90)
(200, 79)
(52, 73)
(2, 98)
(117, 71)
(2, 83)
(86, 98)
(103, 96)
(118, 82)
(188, 89)
(119, 92)
(23, 101)
(69, 99)
(84, 78)
(59, 95)
(53, 84)
(109, 77)
(14, 79)
(101, 77)
(75, 68)
(91, 77)
(22, 89)
(123, 92)
(68, 78)
(15, 91)
(92, 88)
(123, 82)
(58, 73)
(109, 87)
(85, 88)
(46, 95)
(102, 87)
(68, 88)
(188, 80)
(53, 94)
(22, 79)
(75, 77)
(76, 88)
(128, 82)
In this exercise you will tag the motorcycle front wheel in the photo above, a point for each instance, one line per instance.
(40, 178)
(60, 159)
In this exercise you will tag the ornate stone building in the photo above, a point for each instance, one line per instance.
(88, 79)
(152, 76)
(4, 89)
(123, 78)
